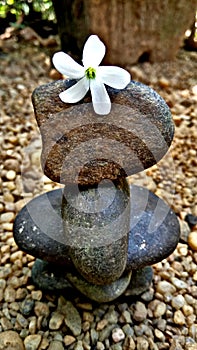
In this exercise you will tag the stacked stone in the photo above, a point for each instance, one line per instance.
(99, 229)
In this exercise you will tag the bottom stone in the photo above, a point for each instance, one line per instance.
(48, 277)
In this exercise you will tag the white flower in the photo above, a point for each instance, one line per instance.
(91, 75)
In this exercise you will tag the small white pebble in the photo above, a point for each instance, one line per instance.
(178, 301)
(11, 175)
(117, 335)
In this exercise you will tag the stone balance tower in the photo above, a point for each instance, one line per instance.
(99, 234)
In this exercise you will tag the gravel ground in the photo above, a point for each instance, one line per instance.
(164, 317)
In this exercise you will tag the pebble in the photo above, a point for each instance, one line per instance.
(56, 321)
(12, 164)
(187, 310)
(2, 284)
(163, 82)
(126, 316)
(41, 309)
(36, 295)
(101, 324)
(32, 342)
(44, 344)
(79, 345)
(32, 325)
(128, 330)
(140, 312)
(7, 217)
(6, 324)
(10, 340)
(178, 301)
(159, 335)
(191, 220)
(9, 294)
(27, 306)
(111, 316)
(160, 309)
(179, 284)
(161, 324)
(100, 346)
(106, 332)
(72, 318)
(185, 230)
(164, 287)
(94, 336)
(117, 335)
(21, 320)
(179, 318)
(69, 339)
(142, 343)
(56, 345)
(192, 240)
(129, 343)
(11, 174)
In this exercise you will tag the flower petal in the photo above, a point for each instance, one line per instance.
(76, 92)
(67, 66)
(93, 52)
(116, 77)
(100, 98)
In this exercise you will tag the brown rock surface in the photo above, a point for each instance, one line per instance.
(82, 147)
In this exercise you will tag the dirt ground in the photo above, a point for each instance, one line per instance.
(162, 318)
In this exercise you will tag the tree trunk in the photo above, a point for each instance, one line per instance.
(132, 30)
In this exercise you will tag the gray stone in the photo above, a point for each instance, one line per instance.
(154, 230)
(96, 224)
(191, 220)
(38, 229)
(140, 312)
(49, 277)
(111, 315)
(140, 281)
(93, 336)
(110, 147)
(72, 318)
(99, 293)
(106, 332)
(153, 235)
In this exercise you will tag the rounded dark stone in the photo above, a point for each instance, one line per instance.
(49, 277)
(191, 220)
(38, 229)
(154, 229)
(82, 147)
(140, 281)
(27, 307)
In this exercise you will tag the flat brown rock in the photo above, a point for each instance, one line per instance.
(84, 148)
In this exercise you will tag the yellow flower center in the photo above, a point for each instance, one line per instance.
(90, 73)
